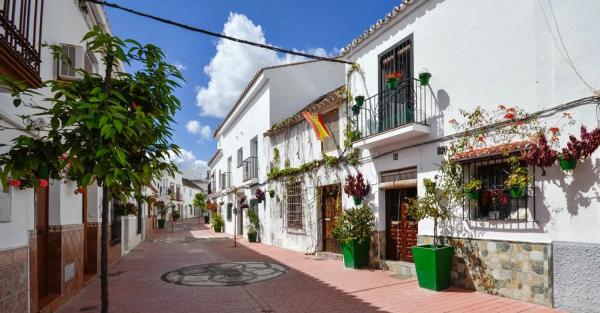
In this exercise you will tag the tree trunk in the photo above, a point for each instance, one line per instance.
(104, 251)
(435, 239)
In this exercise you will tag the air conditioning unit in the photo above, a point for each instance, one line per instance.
(71, 60)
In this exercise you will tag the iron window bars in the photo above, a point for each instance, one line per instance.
(293, 215)
(495, 201)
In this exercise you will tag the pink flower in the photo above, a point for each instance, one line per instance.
(15, 182)
(509, 116)
(43, 183)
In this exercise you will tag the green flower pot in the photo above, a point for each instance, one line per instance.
(424, 78)
(472, 194)
(357, 200)
(567, 164)
(161, 224)
(433, 265)
(272, 193)
(359, 100)
(355, 110)
(392, 83)
(252, 237)
(356, 255)
(517, 192)
(217, 228)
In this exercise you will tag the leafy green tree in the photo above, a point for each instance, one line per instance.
(112, 130)
(200, 200)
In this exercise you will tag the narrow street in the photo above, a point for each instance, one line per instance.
(288, 281)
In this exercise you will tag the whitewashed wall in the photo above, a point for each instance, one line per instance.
(489, 53)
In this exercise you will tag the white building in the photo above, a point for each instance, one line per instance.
(241, 161)
(44, 232)
(189, 191)
(485, 53)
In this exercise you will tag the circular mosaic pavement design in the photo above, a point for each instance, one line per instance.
(224, 274)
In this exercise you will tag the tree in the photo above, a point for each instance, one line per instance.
(200, 200)
(113, 130)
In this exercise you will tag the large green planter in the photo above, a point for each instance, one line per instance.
(252, 237)
(356, 255)
(161, 224)
(567, 164)
(217, 228)
(433, 265)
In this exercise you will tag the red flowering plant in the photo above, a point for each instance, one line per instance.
(260, 195)
(356, 187)
(396, 75)
(540, 153)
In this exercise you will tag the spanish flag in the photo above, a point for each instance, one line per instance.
(318, 125)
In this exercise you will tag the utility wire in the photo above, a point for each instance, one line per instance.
(218, 35)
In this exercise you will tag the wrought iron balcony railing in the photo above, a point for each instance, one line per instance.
(21, 39)
(408, 103)
(250, 168)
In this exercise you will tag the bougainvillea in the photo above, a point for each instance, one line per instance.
(539, 153)
(355, 186)
(260, 195)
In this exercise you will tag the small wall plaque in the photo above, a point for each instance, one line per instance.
(69, 271)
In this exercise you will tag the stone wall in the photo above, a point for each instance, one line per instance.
(517, 270)
(13, 280)
(576, 276)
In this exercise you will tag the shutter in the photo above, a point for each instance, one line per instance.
(73, 58)
(5, 207)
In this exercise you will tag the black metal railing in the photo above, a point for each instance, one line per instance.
(225, 180)
(392, 108)
(21, 30)
(250, 168)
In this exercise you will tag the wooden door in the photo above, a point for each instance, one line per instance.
(41, 227)
(331, 208)
(401, 228)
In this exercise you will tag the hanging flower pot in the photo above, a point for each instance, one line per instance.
(355, 110)
(392, 83)
(357, 200)
(359, 100)
(517, 192)
(472, 194)
(424, 78)
(271, 193)
(567, 164)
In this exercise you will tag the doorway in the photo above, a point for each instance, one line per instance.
(45, 290)
(401, 228)
(331, 209)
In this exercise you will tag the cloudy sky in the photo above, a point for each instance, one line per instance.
(216, 70)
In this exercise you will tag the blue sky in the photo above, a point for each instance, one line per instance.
(214, 79)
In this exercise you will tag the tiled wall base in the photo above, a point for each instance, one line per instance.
(33, 274)
(13, 280)
(114, 250)
(517, 270)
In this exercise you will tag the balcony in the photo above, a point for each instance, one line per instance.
(250, 166)
(394, 115)
(225, 180)
(21, 39)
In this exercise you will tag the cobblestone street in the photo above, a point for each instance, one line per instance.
(274, 280)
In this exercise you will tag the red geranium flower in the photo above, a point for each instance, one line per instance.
(79, 190)
(43, 183)
(393, 75)
(15, 182)
(509, 116)
(554, 130)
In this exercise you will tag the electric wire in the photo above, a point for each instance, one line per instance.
(218, 35)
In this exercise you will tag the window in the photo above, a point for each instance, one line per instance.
(90, 63)
(331, 119)
(396, 59)
(294, 204)
(240, 157)
(494, 201)
(229, 211)
(71, 60)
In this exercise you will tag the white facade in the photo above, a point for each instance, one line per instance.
(274, 94)
(189, 191)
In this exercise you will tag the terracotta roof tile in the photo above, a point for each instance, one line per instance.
(492, 150)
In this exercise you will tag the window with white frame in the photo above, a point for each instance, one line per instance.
(294, 203)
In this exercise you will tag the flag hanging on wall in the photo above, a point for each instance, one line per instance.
(318, 124)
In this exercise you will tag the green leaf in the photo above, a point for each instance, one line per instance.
(118, 125)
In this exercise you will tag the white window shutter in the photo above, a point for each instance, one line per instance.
(5, 206)
(79, 60)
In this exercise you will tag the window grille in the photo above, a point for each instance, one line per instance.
(294, 204)
(229, 211)
(495, 201)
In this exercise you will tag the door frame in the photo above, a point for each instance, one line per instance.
(402, 225)
(338, 194)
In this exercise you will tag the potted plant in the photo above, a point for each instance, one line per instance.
(355, 110)
(359, 100)
(424, 77)
(353, 230)
(392, 79)
(271, 193)
(472, 188)
(259, 195)
(162, 212)
(539, 153)
(217, 222)
(432, 262)
(518, 179)
(176, 215)
(254, 226)
(356, 188)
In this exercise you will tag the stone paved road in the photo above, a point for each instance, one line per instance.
(305, 283)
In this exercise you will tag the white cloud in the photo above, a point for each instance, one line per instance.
(189, 165)
(234, 64)
(196, 128)
(180, 66)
